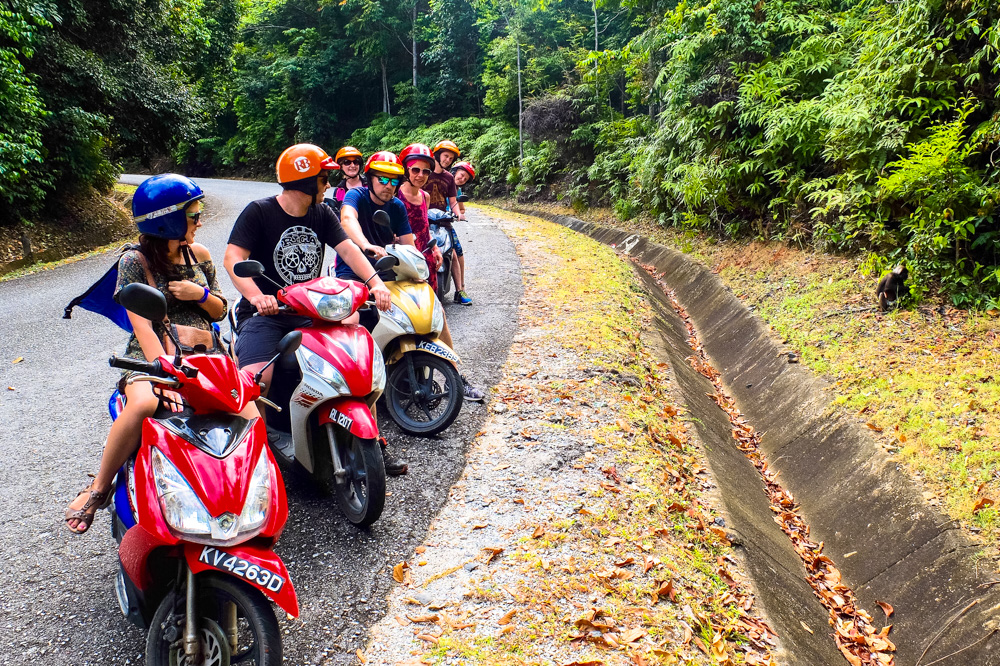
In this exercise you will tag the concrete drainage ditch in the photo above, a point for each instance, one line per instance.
(887, 542)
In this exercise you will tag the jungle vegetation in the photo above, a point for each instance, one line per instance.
(867, 126)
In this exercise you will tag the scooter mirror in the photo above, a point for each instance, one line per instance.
(431, 243)
(385, 263)
(144, 301)
(381, 218)
(248, 269)
(464, 198)
(290, 342)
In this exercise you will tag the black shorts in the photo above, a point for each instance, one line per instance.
(257, 337)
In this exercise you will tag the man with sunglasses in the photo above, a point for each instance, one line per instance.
(385, 174)
(288, 234)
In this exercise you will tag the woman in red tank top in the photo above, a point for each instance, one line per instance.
(415, 200)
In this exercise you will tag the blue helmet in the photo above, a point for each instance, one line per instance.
(159, 202)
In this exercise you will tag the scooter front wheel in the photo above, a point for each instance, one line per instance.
(361, 491)
(252, 627)
(431, 401)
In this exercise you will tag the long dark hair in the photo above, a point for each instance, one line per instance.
(155, 250)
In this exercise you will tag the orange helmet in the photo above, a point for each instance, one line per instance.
(447, 145)
(301, 161)
(384, 162)
(416, 151)
(348, 151)
(467, 168)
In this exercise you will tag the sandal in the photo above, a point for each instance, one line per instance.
(85, 514)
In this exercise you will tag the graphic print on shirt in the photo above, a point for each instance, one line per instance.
(298, 255)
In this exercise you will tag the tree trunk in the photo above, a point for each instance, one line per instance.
(595, 25)
(414, 36)
(520, 120)
(385, 90)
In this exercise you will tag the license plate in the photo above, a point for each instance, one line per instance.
(254, 573)
(437, 350)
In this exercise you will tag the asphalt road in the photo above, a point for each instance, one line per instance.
(57, 604)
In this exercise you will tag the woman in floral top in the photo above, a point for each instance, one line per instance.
(183, 271)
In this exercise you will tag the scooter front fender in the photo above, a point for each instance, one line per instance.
(352, 414)
(260, 567)
(134, 551)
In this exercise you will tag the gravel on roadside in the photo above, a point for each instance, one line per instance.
(584, 530)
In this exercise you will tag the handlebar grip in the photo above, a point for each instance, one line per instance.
(136, 365)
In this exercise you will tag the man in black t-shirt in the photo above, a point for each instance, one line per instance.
(288, 234)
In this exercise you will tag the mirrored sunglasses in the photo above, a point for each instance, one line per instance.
(386, 180)
(194, 217)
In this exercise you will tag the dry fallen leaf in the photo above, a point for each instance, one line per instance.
(399, 572)
(874, 427)
(361, 657)
(507, 617)
(632, 635)
(491, 552)
(421, 550)
(983, 503)
(417, 619)
(805, 626)
(539, 531)
(479, 526)
(886, 608)
(17, 360)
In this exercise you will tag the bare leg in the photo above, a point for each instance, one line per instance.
(458, 272)
(123, 440)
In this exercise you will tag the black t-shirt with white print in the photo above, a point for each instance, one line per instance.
(290, 248)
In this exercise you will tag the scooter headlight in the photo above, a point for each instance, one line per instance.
(400, 318)
(186, 515)
(258, 501)
(181, 507)
(322, 368)
(437, 319)
(378, 370)
(332, 307)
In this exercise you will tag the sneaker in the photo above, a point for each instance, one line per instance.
(471, 392)
(462, 298)
(393, 465)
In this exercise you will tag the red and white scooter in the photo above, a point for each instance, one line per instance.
(327, 429)
(197, 512)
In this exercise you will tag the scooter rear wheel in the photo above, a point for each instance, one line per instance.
(440, 394)
(259, 639)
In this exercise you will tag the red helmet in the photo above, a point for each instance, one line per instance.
(384, 162)
(416, 151)
(467, 168)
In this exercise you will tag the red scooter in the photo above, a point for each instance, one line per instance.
(328, 389)
(197, 512)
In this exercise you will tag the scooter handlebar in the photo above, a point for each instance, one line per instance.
(135, 365)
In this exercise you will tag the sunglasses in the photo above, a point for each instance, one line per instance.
(417, 171)
(194, 217)
(324, 180)
(354, 161)
(385, 180)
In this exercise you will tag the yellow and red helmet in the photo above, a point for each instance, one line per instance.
(385, 163)
(447, 145)
(301, 161)
(467, 167)
(349, 151)
(416, 151)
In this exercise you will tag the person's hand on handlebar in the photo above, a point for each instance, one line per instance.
(265, 304)
(436, 252)
(171, 399)
(376, 251)
(383, 299)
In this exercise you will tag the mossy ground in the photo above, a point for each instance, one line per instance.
(925, 379)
